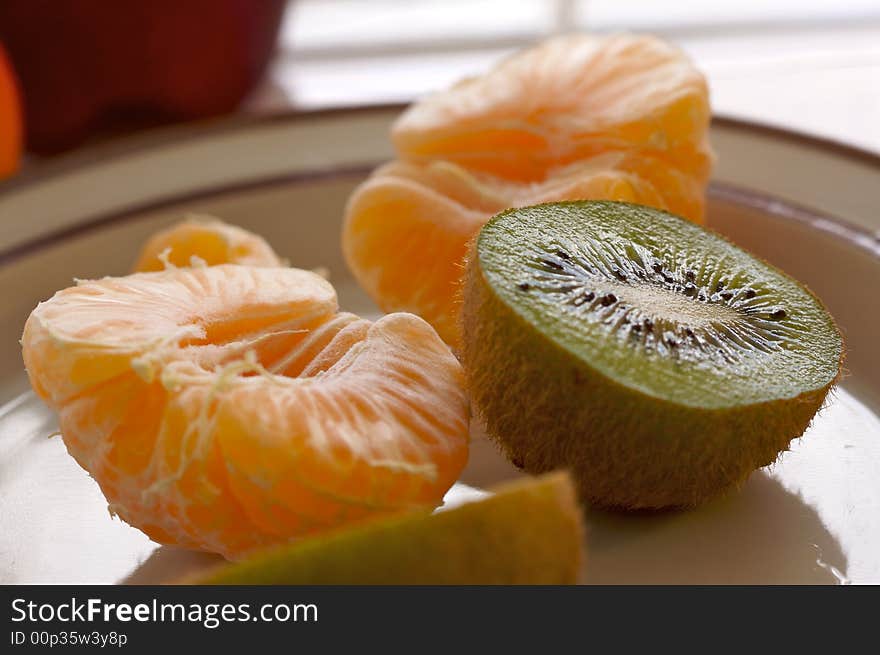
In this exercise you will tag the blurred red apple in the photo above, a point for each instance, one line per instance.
(82, 63)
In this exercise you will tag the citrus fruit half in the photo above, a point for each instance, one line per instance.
(204, 240)
(623, 117)
(230, 407)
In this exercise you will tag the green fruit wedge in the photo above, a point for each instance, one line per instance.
(527, 532)
(658, 362)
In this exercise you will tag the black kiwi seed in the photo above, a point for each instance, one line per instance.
(619, 274)
(589, 296)
(636, 327)
(778, 314)
(690, 289)
(690, 275)
(657, 266)
(524, 286)
(751, 293)
(720, 285)
(648, 323)
(727, 295)
(551, 264)
(689, 332)
(563, 254)
(608, 299)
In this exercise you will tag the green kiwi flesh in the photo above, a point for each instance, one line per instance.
(653, 358)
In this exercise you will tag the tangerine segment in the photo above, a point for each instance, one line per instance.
(206, 240)
(99, 329)
(230, 407)
(570, 98)
(407, 228)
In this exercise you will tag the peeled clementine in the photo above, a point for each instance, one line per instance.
(567, 99)
(204, 240)
(10, 119)
(620, 118)
(231, 407)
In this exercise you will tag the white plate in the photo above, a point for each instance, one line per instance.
(813, 517)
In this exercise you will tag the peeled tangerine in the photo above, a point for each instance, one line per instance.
(204, 240)
(579, 117)
(229, 407)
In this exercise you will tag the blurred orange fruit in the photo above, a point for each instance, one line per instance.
(10, 118)
(620, 118)
(232, 407)
(204, 240)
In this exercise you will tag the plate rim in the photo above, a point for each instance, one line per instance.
(154, 137)
(104, 153)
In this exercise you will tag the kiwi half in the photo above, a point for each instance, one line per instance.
(658, 362)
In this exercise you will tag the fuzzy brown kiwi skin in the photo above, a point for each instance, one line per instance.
(625, 449)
